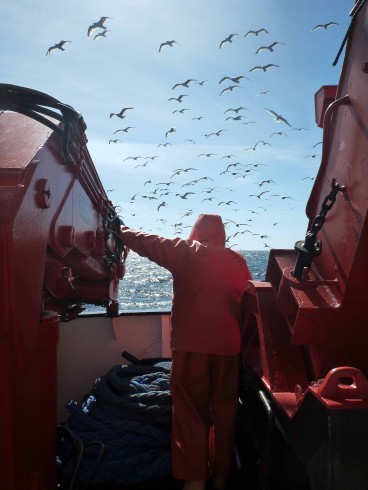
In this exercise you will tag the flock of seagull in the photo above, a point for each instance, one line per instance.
(238, 170)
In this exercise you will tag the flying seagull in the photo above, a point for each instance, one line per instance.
(178, 99)
(282, 197)
(278, 117)
(233, 79)
(258, 195)
(230, 88)
(236, 110)
(280, 133)
(121, 114)
(324, 26)
(125, 129)
(236, 118)
(163, 204)
(184, 84)
(97, 25)
(59, 45)
(269, 47)
(180, 110)
(168, 43)
(256, 33)
(171, 130)
(184, 196)
(264, 67)
(228, 39)
(101, 34)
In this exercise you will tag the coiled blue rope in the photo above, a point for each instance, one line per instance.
(129, 412)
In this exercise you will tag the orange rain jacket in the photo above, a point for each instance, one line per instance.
(208, 285)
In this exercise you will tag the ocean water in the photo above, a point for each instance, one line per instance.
(148, 287)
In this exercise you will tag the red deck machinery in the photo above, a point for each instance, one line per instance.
(59, 248)
(305, 335)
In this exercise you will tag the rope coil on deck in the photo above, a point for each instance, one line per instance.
(129, 412)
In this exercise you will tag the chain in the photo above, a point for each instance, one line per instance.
(311, 247)
(327, 204)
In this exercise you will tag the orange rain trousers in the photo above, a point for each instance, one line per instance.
(204, 390)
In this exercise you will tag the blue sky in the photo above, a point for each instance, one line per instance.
(126, 69)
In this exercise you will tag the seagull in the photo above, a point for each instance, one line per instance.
(280, 133)
(197, 118)
(97, 25)
(180, 110)
(282, 197)
(178, 171)
(114, 141)
(59, 45)
(236, 110)
(278, 117)
(265, 92)
(201, 83)
(324, 26)
(150, 197)
(264, 67)
(299, 129)
(121, 114)
(232, 165)
(132, 158)
(237, 118)
(171, 130)
(101, 34)
(256, 33)
(266, 182)
(255, 146)
(226, 202)
(206, 154)
(163, 204)
(228, 39)
(217, 133)
(258, 195)
(163, 144)
(168, 43)
(230, 88)
(184, 196)
(269, 47)
(184, 84)
(233, 79)
(319, 143)
(125, 129)
(179, 99)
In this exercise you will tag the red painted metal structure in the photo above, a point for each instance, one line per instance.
(306, 327)
(59, 248)
(304, 394)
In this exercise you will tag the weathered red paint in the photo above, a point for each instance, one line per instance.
(52, 243)
(309, 328)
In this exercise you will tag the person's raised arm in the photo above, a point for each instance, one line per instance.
(165, 252)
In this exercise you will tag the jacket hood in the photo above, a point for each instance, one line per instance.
(209, 228)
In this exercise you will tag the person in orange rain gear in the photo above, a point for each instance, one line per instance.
(208, 284)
